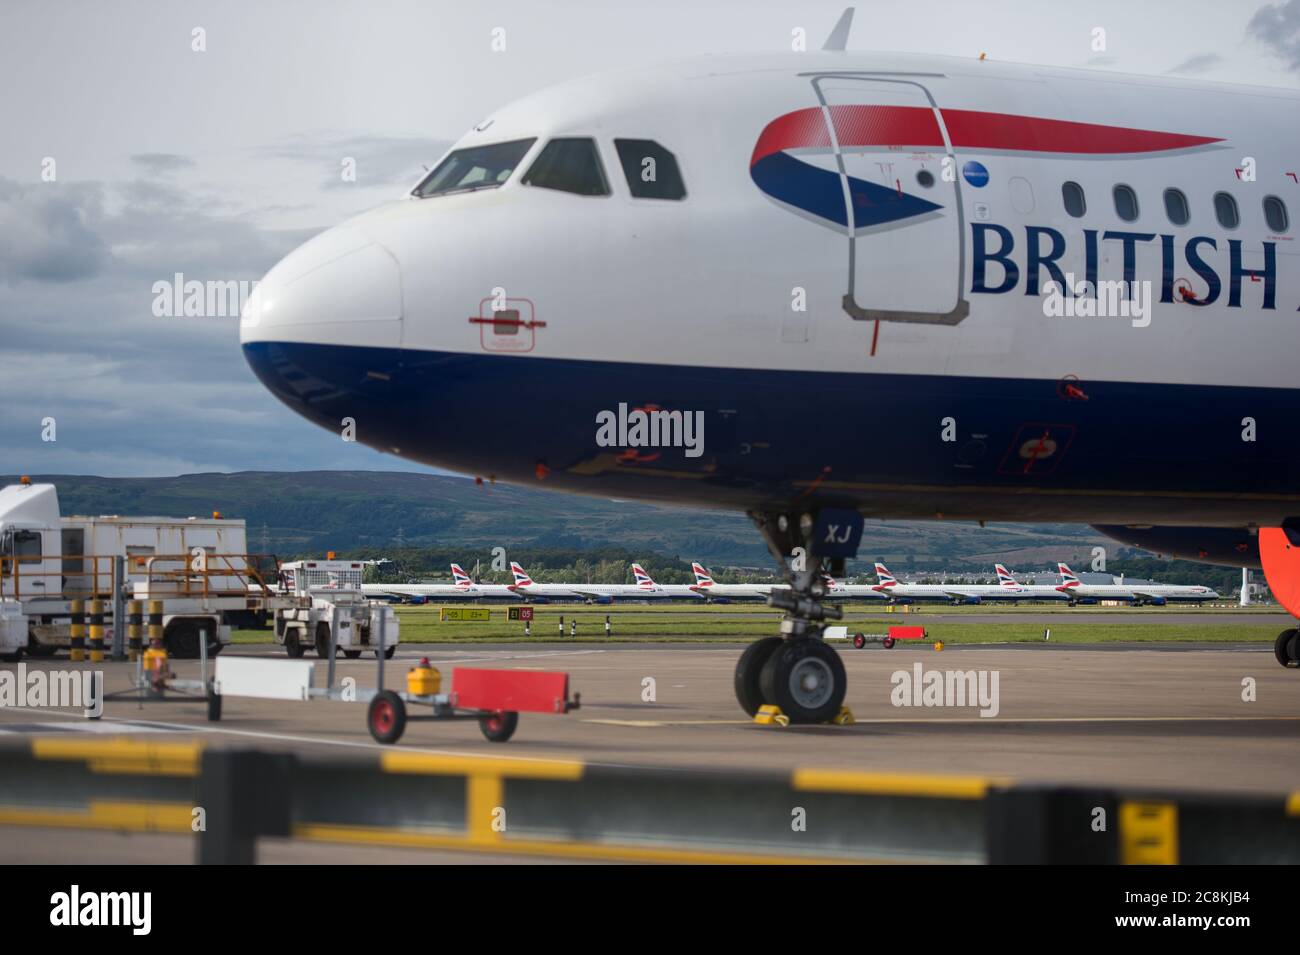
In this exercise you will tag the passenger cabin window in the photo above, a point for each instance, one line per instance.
(651, 170)
(1225, 210)
(569, 165)
(1072, 196)
(1126, 203)
(478, 167)
(1176, 207)
(1275, 214)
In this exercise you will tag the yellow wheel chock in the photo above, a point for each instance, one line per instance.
(769, 715)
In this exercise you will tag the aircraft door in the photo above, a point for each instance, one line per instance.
(905, 229)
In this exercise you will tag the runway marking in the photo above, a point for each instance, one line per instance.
(320, 740)
(89, 726)
(669, 722)
(1084, 719)
(976, 721)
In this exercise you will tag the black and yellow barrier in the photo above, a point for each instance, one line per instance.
(155, 622)
(134, 628)
(77, 632)
(97, 631)
(569, 809)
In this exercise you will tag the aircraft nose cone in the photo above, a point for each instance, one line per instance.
(337, 287)
(321, 328)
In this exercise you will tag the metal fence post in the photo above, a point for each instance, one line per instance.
(244, 794)
(1051, 825)
(119, 608)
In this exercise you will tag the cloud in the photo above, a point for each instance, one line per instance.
(161, 164)
(161, 228)
(47, 233)
(133, 393)
(380, 160)
(1277, 26)
(1201, 63)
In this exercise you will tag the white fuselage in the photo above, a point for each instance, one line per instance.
(769, 293)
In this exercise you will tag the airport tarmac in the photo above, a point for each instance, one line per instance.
(1135, 716)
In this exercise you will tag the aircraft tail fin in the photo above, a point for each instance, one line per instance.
(702, 576)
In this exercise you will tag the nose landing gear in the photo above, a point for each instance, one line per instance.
(797, 671)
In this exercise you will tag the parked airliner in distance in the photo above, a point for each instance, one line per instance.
(462, 587)
(681, 269)
(1137, 593)
(902, 591)
(1011, 589)
(832, 589)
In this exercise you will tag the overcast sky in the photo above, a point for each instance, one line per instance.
(216, 163)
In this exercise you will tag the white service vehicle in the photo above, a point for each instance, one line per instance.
(198, 566)
(330, 602)
(13, 631)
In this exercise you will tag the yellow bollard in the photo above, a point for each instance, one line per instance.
(97, 631)
(134, 628)
(155, 621)
(77, 632)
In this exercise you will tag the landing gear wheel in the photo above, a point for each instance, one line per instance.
(748, 693)
(499, 727)
(859, 641)
(323, 640)
(806, 679)
(291, 645)
(386, 717)
(214, 707)
(352, 654)
(1287, 648)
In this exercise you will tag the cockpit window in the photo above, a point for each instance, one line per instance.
(570, 165)
(478, 167)
(650, 169)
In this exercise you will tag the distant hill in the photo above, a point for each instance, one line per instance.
(310, 512)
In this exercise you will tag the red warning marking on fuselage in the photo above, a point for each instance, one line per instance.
(1184, 289)
(1037, 449)
(509, 329)
(1070, 388)
(633, 456)
(1033, 450)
